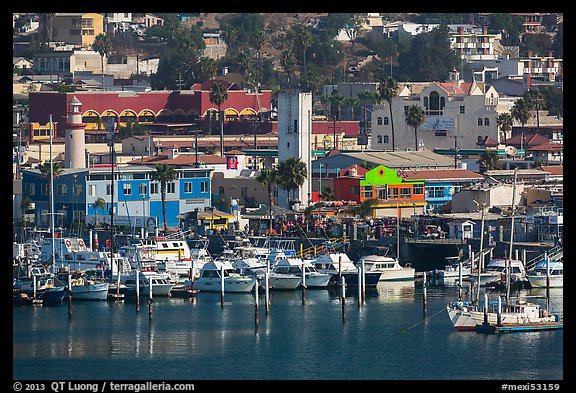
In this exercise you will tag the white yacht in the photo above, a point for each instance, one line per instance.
(389, 267)
(210, 279)
(293, 266)
(495, 271)
(538, 276)
(161, 283)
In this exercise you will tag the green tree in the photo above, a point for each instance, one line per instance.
(327, 194)
(505, 122)
(268, 178)
(103, 45)
(489, 160)
(521, 111)
(388, 89)
(164, 174)
(288, 62)
(219, 95)
(301, 39)
(336, 102)
(415, 118)
(366, 208)
(98, 204)
(291, 174)
(351, 102)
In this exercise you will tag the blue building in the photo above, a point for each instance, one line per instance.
(137, 199)
(441, 184)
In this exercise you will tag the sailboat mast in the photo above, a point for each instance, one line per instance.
(52, 199)
(397, 232)
(509, 260)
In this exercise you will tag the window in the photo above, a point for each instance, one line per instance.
(386, 121)
(153, 188)
(382, 194)
(142, 189)
(418, 189)
(367, 192)
(204, 186)
(486, 121)
(244, 191)
(108, 189)
(77, 189)
(392, 193)
(188, 187)
(386, 139)
(462, 109)
(170, 187)
(62, 189)
(406, 108)
(295, 125)
(479, 121)
(30, 189)
(379, 139)
(354, 190)
(435, 192)
(127, 188)
(405, 192)
(220, 190)
(379, 121)
(91, 189)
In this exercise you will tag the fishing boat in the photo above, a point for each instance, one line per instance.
(389, 267)
(210, 279)
(86, 286)
(293, 266)
(465, 317)
(40, 284)
(546, 273)
(339, 264)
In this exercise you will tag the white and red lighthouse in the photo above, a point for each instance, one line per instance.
(75, 143)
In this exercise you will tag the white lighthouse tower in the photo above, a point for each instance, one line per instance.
(294, 139)
(75, 143)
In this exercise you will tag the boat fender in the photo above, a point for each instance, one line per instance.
(68, 243)
(81, 242)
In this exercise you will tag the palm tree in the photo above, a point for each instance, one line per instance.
(366, 208)
(327, 194)
(351, 102)
(103, 45)
(415, 118)
(302, 39)
(336, 100)
(219, 95)
(164, 174)
(521, 111)
(505, 122)
(288, 62)
(489, 160)
(291, 175)
(387, 90)
(99, 203)
(56, 170)
(268, 178)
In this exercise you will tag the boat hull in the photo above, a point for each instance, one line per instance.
(397, 275)
(231, 284)
(317, 280)
(97, 291)
(282, 281)
(540, 281)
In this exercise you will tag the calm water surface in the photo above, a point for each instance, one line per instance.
(388, 338)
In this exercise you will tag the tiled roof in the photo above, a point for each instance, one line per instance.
(548, 146)
(553, 169)
(181, 159)
(439, 174)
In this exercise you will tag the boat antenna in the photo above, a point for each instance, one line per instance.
(53, 257)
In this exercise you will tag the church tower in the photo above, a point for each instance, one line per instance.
(295, 139)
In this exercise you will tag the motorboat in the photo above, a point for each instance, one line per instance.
(538, 276)
(339, 264)
(452, 269)
(495, 272)
(465, 317)
(389, 267)
(293, 266)
(210, 279)
(160, 282)
(286, 276)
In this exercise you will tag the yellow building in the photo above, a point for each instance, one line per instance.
(77, 28)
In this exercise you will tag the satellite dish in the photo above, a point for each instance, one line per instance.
(510, 150)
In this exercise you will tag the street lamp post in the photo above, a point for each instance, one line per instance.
(321, 165)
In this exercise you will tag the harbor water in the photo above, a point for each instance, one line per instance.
(395, 335)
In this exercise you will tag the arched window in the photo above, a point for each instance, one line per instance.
(379, 138)
(386, 121)
(379, 121)
(434, 103)
(479, 121)
(486, 121)
(386, 139)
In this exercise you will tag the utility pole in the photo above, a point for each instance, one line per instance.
(456, 150)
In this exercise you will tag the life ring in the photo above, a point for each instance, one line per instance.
(81, 242)
(68, 243)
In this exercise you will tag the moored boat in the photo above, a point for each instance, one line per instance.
(210, 279)
(389, 267)
(546, 274)
(338, 264)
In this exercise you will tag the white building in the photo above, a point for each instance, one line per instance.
(457, 113)
(294, 138)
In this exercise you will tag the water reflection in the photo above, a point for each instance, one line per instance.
(395, 291)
